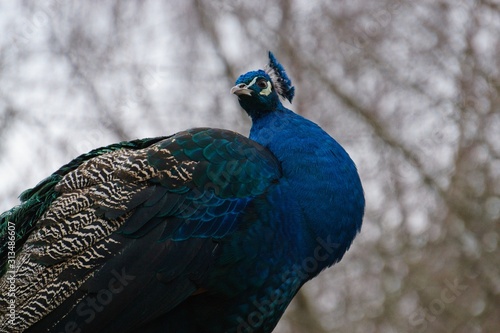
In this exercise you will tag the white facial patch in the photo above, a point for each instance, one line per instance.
(252, 82)
(265, 91)
(268, 89)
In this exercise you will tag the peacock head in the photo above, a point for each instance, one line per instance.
(259, 91)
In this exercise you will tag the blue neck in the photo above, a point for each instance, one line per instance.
(323, 179)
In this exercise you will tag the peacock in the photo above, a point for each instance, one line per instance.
(205, 230)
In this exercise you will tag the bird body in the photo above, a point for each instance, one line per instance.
(202, 231)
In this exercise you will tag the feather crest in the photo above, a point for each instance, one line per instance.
(280, 79)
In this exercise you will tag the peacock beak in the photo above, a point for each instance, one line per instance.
(241, 89)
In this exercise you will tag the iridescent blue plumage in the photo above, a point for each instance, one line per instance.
(202, 231)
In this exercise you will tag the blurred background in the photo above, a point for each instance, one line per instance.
(410, 88)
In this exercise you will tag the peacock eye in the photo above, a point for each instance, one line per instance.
(262, 83)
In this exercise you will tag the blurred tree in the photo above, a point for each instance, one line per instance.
(411, 89)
